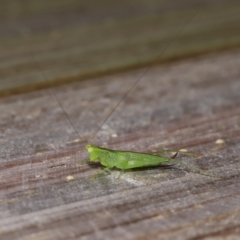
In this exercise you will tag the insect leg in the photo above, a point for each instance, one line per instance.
(172, 150)
(196, 169)
(172, 157)
(121, 173)
(100, 172)
(84, 161)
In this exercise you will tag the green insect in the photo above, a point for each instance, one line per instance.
(125, 160)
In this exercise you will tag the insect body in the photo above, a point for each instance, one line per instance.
(124, 159)
(128, 160)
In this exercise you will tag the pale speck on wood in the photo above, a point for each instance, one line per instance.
(68, 178)
(219, 141)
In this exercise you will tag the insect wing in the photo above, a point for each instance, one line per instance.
(129, 160)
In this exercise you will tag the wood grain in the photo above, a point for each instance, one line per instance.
(46, 186)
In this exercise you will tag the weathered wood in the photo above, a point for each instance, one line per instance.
(72, 40)
(46, 190)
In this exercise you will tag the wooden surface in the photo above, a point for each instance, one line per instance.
(46, 187)
(46, 190)
(69, 40)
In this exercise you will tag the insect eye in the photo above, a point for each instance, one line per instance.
(87, 146)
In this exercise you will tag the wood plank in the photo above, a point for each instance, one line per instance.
(46, 190)
(69, 40)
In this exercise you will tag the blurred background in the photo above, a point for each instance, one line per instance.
(70, 40)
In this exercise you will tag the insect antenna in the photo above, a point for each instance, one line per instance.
(125, 95)
(55, 96)
(146, 70)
